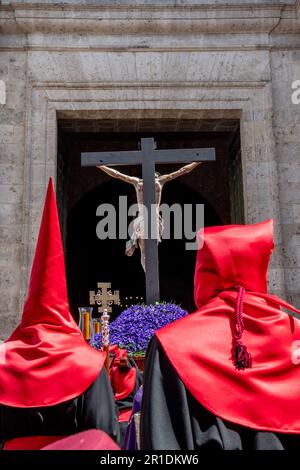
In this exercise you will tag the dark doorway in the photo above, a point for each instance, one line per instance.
(90, 259)
(81, 190)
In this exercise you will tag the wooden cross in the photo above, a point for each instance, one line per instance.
(104, 297)
(148, 156)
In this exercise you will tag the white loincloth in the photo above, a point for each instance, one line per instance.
(139, 234)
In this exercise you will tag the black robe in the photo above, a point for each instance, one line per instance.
(94, 409)
(173, 420)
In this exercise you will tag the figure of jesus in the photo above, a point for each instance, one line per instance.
(138, 237)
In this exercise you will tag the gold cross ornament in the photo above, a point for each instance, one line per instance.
(104, 297)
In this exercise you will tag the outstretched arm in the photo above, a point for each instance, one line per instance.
(117, 174)
(182, 171)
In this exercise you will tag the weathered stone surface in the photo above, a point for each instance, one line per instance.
(123, 59)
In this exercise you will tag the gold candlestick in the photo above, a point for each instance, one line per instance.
(105, 337)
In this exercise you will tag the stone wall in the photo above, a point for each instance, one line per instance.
(79, 59)
(12, 151)
(286, 119)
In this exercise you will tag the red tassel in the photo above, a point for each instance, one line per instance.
(242, 358)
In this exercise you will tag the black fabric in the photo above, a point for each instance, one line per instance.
(173, 420)
(94, 409)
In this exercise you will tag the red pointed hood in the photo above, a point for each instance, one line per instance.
(232, 255)
(47, 300)
(239, 354)
(46, 360)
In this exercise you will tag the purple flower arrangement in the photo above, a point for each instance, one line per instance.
(134, 327)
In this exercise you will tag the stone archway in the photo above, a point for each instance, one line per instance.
(247, 103)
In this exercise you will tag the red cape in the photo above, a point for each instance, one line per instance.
(122, 379)
(264, 396)
(46, 360)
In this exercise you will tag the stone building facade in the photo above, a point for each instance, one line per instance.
(189, 59)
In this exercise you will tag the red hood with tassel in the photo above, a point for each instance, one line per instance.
(46, 360)
(238, 355)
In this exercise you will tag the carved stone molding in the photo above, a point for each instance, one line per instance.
(251, 103)
(141, 17)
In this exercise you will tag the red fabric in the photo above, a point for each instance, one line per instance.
(46, 360)
(122, 380)
(86, 440)
(232, 255)
(264, 396)
(124, 415)
(30, 443)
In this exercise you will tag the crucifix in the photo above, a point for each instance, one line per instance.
(148, 156)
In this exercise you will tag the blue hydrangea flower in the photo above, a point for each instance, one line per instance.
(135, 326)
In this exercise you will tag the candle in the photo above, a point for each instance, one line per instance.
(97, 327)
(86, 325)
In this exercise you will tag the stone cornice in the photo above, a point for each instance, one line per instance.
(145, 4)
(152, 18)
(137, 44)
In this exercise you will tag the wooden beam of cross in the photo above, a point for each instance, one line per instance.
(104, 297)
(148, 156)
